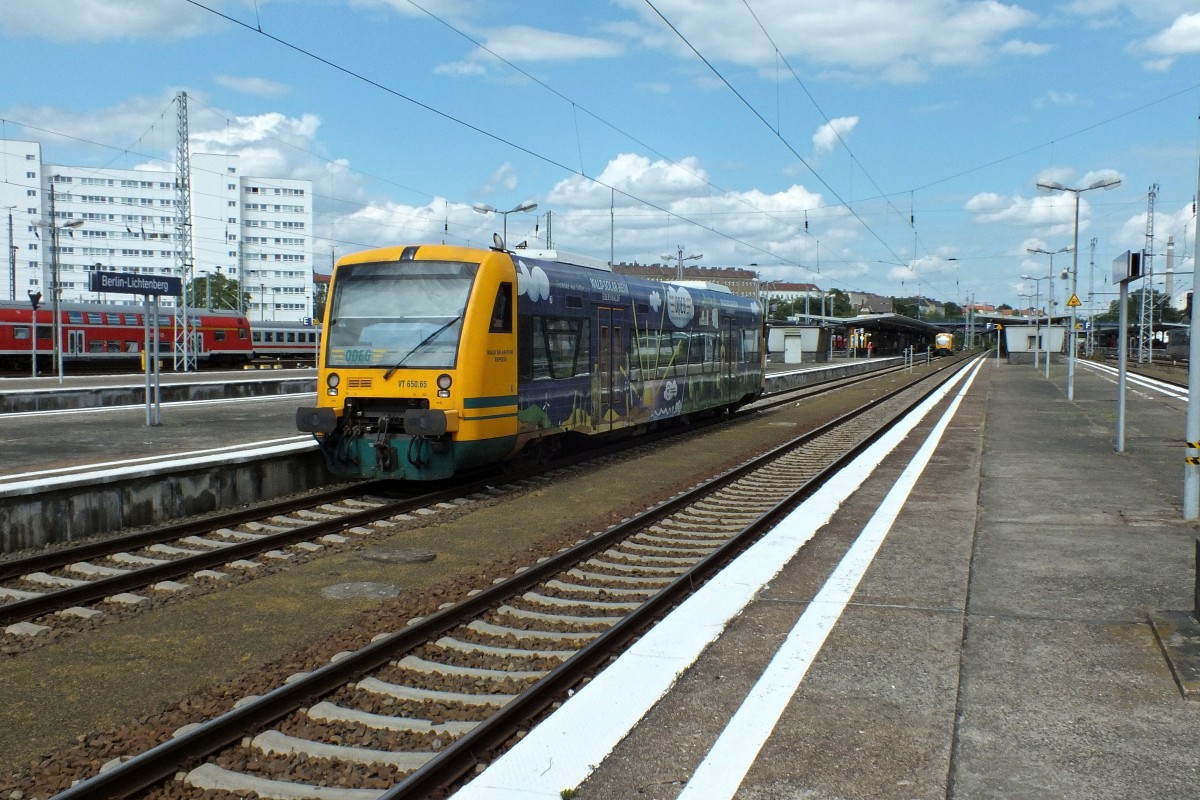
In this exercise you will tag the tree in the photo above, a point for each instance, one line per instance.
(840, 305)
(320, 295)
(1163, 310)
(215, 291)
(905, 305)
(952, 311)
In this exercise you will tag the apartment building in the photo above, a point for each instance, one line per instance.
(256, 230)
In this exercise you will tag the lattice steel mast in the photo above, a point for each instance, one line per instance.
(1090, 345)
(185, 350)
(1146, 317)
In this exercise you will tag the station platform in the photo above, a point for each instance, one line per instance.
(992, 639)
(47, 393)
(198, 412)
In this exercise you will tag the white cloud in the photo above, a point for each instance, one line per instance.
(100, 20)
(1158, 64)
(1055, 98)
(257, 87)
(456, 11)
(1182, 38)
(827, 136)
(1050, 215)
(757, 227)
(522, 44)
(1016, 47)
(899, 42)
(1048, 211)
(504, 179)
(659, 182)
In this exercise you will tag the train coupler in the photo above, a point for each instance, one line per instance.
(386, 458)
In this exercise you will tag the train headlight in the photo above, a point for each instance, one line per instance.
(443, 384)
(331, 381)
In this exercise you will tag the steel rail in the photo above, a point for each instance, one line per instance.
(56, 559)
(164, 760)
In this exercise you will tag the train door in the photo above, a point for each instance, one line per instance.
(76, 345)
(731, 356)
(611, 375)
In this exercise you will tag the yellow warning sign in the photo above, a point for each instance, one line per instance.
(1074, 301)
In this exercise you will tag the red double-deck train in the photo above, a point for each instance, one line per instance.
(99, 335)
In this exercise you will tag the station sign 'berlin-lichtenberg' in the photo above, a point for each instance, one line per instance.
(128, 283)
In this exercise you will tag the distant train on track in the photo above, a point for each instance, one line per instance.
(441, 358)
(943, 344)
(101, 335)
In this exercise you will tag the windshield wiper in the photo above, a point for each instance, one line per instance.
(421, 344)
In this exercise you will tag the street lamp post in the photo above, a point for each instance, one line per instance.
(55, 285)
(1054, 186)
(484, 208)
(1049, 296)
(680, 258)
(1037, 326)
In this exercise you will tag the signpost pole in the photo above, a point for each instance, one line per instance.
(146, 355)
(148, 286)
(1122, 359)
(157, 370)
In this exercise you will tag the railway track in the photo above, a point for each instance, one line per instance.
(415, 711)
(66, 588)
(61, 587)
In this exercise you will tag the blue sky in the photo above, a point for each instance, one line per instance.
(889, 147)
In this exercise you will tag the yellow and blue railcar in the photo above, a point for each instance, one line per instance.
(437, 359)
(943, 344)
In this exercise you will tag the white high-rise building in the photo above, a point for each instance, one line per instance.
(255, 230)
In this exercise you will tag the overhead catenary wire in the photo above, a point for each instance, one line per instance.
(489, 134)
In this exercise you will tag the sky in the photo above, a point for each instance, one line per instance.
(863, 145)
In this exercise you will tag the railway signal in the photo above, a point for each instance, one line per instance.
(35, 299)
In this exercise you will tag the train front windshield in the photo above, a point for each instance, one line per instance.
(394, 316)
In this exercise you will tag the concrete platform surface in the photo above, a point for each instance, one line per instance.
(1000, 643)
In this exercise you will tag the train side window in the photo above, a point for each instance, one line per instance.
(256, 336)
(502, 310)
(132, 347)
(268, 336)
(21, 332)
(291, 336)
(219, 336)
(241, 333)
(749, 346)
(541, 351)
(562, 339)
(113, 347)
(583, 352)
